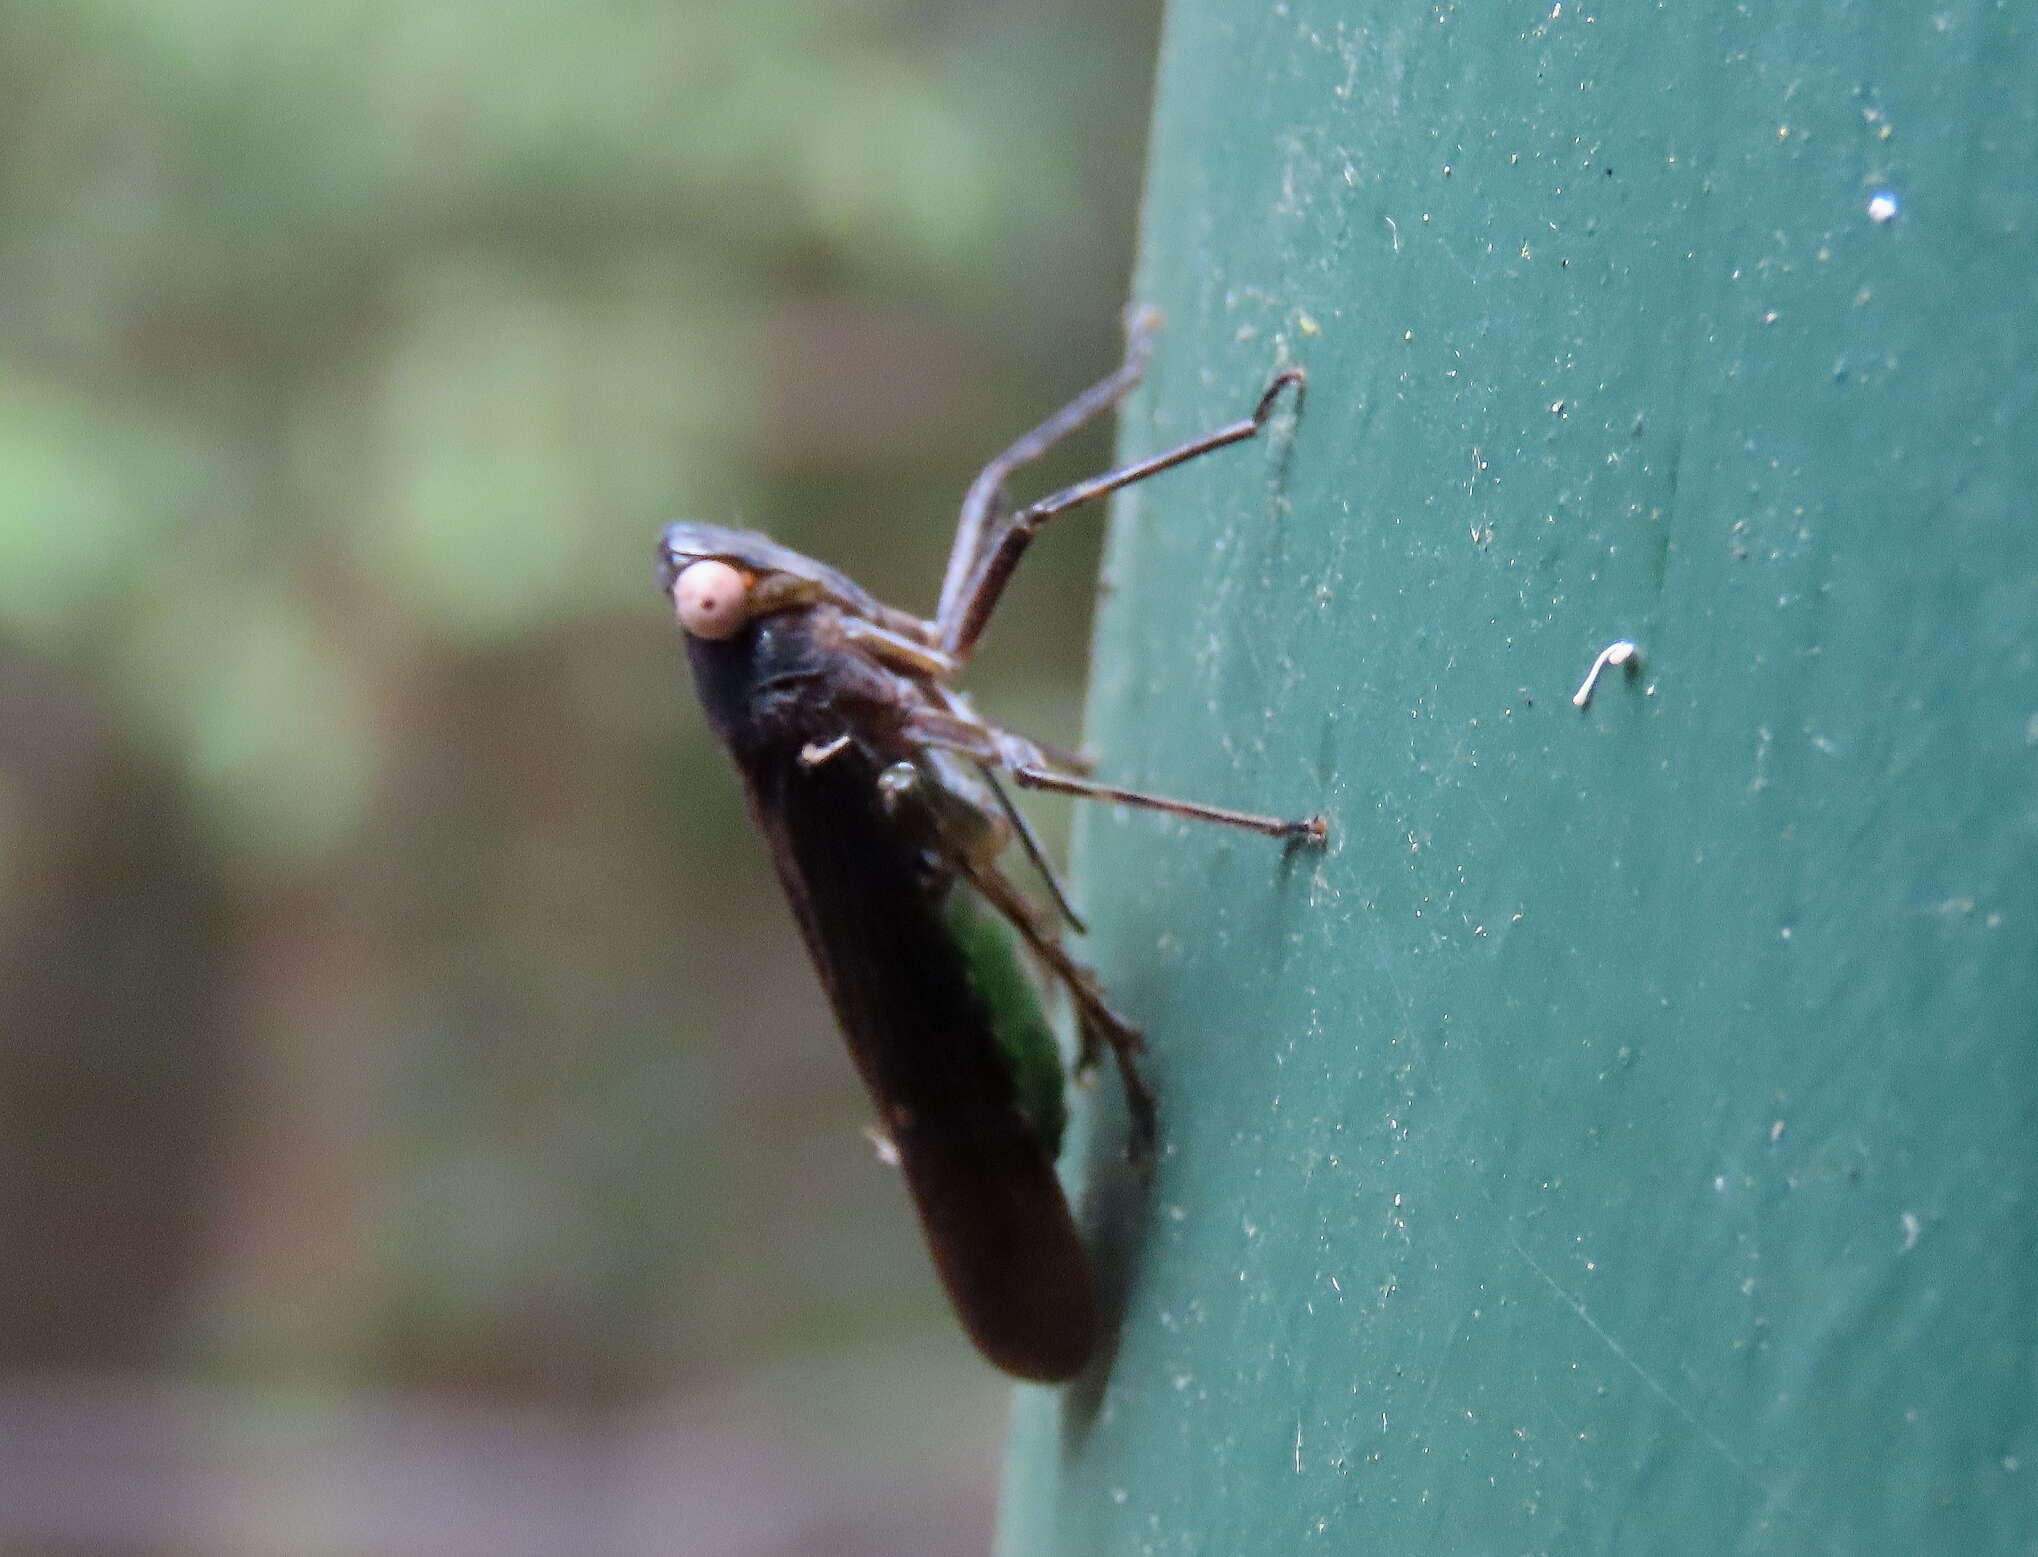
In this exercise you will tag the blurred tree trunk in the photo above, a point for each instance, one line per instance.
(1626, 1136)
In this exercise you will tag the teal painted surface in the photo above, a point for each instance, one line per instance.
(1626, 1137)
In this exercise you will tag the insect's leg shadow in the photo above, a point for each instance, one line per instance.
(1116, 1214)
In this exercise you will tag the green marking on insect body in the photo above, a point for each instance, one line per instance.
(1018, 1024)
(878, 788)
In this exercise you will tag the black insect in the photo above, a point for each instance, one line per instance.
(880, 791)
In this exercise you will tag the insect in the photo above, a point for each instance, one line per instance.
(882, 793)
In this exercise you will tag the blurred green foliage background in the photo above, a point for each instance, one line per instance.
(393, 1000)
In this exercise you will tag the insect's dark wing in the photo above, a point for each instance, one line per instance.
(983, 1182)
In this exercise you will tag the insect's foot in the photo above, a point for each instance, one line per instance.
(1280, 381)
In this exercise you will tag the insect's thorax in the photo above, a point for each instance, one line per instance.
(788, 681)
(791, 694)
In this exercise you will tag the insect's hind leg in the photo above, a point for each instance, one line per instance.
(986, 509)
(1098, 1026)
(969, 595)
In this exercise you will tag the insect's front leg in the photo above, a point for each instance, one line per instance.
(896, 651)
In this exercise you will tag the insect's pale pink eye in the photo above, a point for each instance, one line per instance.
(711, 597)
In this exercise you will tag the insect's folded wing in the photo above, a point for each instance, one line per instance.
(1007, 1251)
(982, 1179)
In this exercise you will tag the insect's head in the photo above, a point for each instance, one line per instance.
(720, 580)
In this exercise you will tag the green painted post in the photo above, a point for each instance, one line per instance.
(1626, 1137)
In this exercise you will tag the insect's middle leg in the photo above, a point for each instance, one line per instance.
(1034, 767)
(1307, 829)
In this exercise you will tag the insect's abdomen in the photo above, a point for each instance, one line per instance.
(872, 905)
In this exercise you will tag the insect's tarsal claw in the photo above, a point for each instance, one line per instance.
(1311, 833)
(1280, 381)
